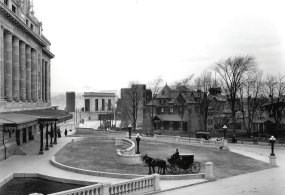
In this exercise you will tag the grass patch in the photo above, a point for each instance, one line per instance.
(98, 155)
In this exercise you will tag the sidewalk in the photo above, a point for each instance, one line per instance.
(270, 181)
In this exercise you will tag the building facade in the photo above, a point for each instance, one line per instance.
(70, 102)
(98, 104)
(174, 110)
(24, 58)
(25, 106)
(135, 97)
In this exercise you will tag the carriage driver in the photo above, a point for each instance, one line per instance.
(176, 154)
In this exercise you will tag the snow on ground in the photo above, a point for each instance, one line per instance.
(95, 124)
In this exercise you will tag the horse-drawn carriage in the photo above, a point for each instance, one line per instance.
(177, 162)
(183, 162)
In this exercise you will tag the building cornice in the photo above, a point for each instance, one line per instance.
(48, 53)
(19, 23)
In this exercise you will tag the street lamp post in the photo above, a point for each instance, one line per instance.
(130, 128)
(272, 140)
(138, 139)
(225, 131)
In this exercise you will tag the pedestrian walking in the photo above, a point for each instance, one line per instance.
(65, 132)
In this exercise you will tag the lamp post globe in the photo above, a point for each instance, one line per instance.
(272, 140)
(225, 131)
(130, 128)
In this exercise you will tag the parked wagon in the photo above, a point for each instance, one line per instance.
(182, 163)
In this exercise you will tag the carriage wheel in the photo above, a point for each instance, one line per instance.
(169, 168)
(195, 167)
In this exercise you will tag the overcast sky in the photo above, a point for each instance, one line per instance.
(102, 45)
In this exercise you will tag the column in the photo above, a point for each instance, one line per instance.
(28, 73)
(22, 71)
(2, 95)
(47, 138)
(42, 138)
(34, 75)
(39, 77)
(43, 81)
(16, 69)
(55, 134)
(48, 82)
(8, 65)
(51, 135)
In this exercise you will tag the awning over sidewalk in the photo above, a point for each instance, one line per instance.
(59, 115)
(26, 116)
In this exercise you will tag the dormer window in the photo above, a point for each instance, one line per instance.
(14, 8)
(6, 2)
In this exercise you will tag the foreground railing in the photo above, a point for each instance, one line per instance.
(134, 186)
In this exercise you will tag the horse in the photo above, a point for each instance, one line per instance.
(152, 163)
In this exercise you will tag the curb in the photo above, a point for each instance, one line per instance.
(121, 175)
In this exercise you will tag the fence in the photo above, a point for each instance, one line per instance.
(135, 186)
(186, 140)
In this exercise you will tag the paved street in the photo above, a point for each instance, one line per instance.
(271, 181)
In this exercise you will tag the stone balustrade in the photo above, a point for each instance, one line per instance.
(91, 131)
(135, 186)
(127, 155)
(187, 140)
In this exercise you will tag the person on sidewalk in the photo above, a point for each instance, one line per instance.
(58, 133)
(65, 132)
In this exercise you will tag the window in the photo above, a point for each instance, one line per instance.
(109, 104)
(13, 8)
(103, 105)
(96, 104)
(163, 92)
(6, 2)
(32, 26)
(87, 105)
(27, 22)
(162, 109)
(171, 110)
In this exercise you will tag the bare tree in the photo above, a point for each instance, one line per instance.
(252, 89)
(155, 87)
(133, 101)
(183, 87)
(276, 90)
(232, 72)
(203, 84)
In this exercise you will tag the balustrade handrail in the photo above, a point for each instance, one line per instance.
(96, 187)
(143, 184)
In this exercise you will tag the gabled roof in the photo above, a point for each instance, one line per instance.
(165, 92)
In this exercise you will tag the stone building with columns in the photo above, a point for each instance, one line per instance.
(25, 64)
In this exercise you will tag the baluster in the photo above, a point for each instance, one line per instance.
(118, 189)
(125, 188)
